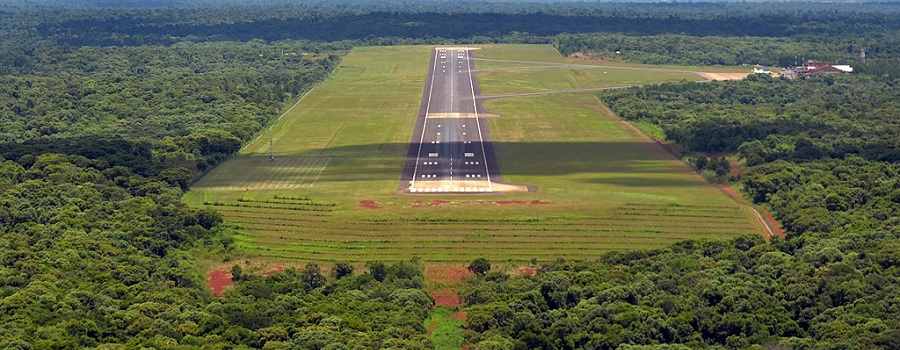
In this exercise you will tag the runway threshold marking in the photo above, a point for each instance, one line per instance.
(451, 187)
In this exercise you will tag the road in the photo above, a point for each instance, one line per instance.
(451, 149)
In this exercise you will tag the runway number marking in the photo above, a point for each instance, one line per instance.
(441, 57)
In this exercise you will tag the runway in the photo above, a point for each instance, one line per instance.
(450, 150)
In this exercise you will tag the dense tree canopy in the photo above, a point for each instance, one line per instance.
(823, 291)
(109, 108)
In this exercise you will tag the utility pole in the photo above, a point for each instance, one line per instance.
(271, 150)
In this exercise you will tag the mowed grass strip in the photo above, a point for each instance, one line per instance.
(564, 78)
(347, 138)
(520, 52)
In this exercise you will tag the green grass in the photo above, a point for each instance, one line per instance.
(521, 52)
(547, 77)
(601, 184)
(447, 332)
(650, 129)
(562, 78)
(493, 64)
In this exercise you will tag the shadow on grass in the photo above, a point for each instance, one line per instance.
(643, 181)
(352, 163)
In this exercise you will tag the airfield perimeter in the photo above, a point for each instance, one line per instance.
(597, 183)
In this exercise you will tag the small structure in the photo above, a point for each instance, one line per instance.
(816, 67)
(761, 71)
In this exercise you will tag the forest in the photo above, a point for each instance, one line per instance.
(815, 291)
(823, 153)
(110, 109)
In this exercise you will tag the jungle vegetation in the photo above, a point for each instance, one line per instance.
(110, 109)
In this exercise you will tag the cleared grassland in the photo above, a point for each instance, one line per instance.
(331, 193)
(530, 75)
(562, 78)
(523, 52)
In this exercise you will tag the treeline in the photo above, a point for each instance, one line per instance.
(94, 254)
(679, 49)
(816, 291)
(782, 34)
(191, 104)
(410, 20)
(823, 153)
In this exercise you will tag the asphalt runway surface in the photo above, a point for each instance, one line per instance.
(450, 150)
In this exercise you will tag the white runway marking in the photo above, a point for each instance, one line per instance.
(478, 125)
(424, 124)
(440, 181)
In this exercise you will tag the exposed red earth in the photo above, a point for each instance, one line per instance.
(527, 271)
(431, 328)
(273, 271)
(369, 204)
(446, 274)
(445, 297)
(218, 280)
(439, 202)
(766, 216)
(221, 278)
(533, 202)
(774, 222)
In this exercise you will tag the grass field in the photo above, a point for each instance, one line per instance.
(563, 78)
(534, 77)
(332, 195)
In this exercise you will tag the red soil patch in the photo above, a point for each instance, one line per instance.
(438, 202)
(218, 280)
(446, 274)
(773, 222)
(770, 220)
(445, 297)
(431, 328)
(527, 271)
(733, 194)
(459, 315)
(533, 202)
(509, 202)
(273, 271)
(369, 204)
(417, 204)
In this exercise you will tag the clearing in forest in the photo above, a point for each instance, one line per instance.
(331, 193)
